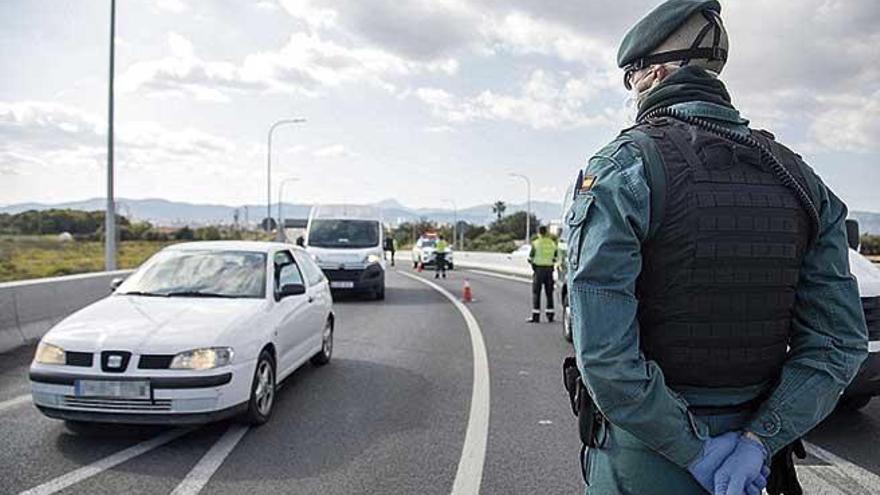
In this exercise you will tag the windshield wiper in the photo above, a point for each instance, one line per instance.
(142, 293)
(196, 293)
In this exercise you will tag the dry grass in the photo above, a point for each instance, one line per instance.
(27, 257)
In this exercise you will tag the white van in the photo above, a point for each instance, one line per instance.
(867, 383)
(346, 242)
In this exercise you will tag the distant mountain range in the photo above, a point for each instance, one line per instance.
(176, 213)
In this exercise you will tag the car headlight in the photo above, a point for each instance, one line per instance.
(372, 258)
(49, 354)
(202, 359)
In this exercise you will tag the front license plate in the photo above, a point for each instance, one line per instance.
(134, 389)
(341, 284)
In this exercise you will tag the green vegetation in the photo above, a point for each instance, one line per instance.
(870, 244)
(30, 246)
(500, 236)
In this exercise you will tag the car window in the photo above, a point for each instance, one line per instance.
(313, 274)
(286, 270)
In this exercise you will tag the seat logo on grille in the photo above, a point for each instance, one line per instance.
(114, 362)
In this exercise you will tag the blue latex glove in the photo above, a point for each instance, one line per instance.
(744, 467)
(759, 484)
(715, 451)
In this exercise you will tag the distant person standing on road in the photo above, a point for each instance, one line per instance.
(715, 318)
(391, 245)
(542, 257)
(440, 250)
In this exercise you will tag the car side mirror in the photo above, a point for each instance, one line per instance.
(115, 283)
(291, 290)
(852, 234)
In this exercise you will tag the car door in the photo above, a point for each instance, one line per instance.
(292, 329)
(320, 300)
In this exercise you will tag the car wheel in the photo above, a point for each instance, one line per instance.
(854, 403)
(262, 390)
(450, 267)
(566, 319)
(380, 293)
(323, 356)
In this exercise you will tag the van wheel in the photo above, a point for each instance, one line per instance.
(262, 390)
(323, 356)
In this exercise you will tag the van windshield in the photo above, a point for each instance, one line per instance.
(344, 233)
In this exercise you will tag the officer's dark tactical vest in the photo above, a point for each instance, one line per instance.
(719, 275)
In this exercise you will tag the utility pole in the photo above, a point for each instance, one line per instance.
(528, 204)
(280, 237)
(269, 166)
(110, 214)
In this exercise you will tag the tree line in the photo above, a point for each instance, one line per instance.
(89, 226)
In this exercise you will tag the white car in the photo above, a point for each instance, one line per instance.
(202, 331)
(424, 252)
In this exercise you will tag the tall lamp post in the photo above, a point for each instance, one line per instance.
(528, 204)
(110, 214)
(269, 165)
(280, 229)
(455, 224)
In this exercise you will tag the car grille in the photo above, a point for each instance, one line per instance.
(871, 306)
(344, 275)
(84, 359)
(106, 404)
(155, 361)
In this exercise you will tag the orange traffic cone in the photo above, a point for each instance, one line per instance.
(468, 295)
(421, 267)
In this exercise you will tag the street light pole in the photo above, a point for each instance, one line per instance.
(528, 204)
(455, 224)
(280, 236)
(110, 214)
(269, 165)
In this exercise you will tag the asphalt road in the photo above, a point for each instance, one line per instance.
(390, 414)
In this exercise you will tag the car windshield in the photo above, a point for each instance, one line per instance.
(187, 273)
(344, 233)
(429, 243)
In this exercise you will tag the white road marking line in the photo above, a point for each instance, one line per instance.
(473, 453)
(101, 465)
(501, 275)
(17, 401)
(199, 476)
(816, 480)
(860, 477)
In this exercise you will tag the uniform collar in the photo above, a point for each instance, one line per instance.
(712, 111)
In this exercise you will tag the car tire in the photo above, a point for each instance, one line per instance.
(566, 319)
(380, 293)
(450, 267)
(854, 403)
(323, 356)
(262, 399)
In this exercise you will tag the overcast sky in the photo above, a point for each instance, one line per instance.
(419, 100)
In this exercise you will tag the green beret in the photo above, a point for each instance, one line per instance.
(657, 26)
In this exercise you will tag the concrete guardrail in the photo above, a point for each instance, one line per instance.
(29, 308)
(496, 262)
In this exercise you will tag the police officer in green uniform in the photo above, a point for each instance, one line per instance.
(715, 318)
(440, 250)
(542, 257)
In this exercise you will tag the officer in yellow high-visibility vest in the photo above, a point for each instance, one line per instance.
(542, 257)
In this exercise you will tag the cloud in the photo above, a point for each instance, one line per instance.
(62, 138)
(545, 101)
(333, 151)
(306, 64)
(175, 6)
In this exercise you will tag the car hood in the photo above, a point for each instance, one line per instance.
(155, 324)
(866, 273)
